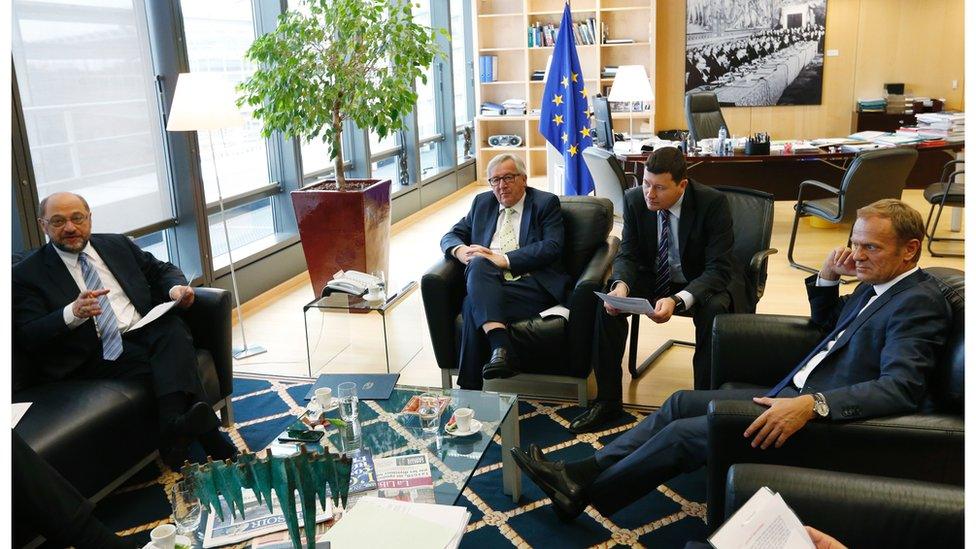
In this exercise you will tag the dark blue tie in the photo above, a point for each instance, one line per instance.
(662, 283)
(842, 324)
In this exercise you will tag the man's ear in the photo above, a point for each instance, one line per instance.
(912, 247)
(683, 184)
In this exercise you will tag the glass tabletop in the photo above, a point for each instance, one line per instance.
(387, 432)
(349, 302)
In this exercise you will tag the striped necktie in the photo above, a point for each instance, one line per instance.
(507, 239)
(108, 325)
(662, 284)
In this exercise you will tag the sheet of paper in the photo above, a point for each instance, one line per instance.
(630, 305)
(18, 411)
(764, 522)
(156, 312)
(359, 528)
(449, 516)
(555, 310)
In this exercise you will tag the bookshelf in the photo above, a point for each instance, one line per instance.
(502, 30)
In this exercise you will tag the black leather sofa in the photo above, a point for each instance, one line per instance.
(858, 510)
(97, 433)
(758, 350)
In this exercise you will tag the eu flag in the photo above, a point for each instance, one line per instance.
(565, 122)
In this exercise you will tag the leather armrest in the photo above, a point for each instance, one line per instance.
(756, 264)
(442, 288)
(904, 513)
(583, 306)
(759, 349)
(210, 324)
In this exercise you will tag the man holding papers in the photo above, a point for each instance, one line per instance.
(75, 302)
(676, 252)
(881, 343)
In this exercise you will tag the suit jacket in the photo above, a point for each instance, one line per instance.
(704, 242)
(540, 237)
(42, 286)
(879, 365)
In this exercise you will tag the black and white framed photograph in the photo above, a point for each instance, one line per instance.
(756, 53)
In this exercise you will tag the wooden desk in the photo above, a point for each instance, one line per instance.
(781, 174)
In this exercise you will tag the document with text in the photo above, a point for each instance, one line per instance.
(629, 305)
(156, 312)
(764, 522)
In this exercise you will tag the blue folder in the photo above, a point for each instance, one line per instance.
(368, 386)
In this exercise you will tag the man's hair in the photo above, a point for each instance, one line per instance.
(667, 160)
(519, 164)
(43, 205)
(905, 220)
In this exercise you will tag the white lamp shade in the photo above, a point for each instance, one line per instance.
(203, 101)
(631, 84)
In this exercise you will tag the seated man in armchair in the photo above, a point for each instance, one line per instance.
(880, 344)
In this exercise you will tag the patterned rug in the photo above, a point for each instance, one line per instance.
(263, 407)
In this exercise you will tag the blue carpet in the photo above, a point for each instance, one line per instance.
(668, 517)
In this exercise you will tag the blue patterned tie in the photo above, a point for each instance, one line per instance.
(842, 325)
(108, 326)
(662, 284)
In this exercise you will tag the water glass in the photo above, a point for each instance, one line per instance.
(186, 508)
(351, 436)
(348, 401)
(429, 412)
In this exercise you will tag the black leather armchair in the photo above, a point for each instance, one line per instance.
(758, 350)
(903, 513)
(549, 345)
(703, 115)
(97, 433)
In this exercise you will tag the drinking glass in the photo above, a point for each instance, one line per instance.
(348, 401)
(186, 508)
(429, 412)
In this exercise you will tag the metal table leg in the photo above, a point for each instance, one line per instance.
(511, 475)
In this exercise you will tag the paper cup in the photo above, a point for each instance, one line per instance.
(462, 417)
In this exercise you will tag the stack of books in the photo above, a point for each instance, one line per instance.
(538, 75)
(544, 36)
(488, 68)
(609, 71)
(871, 105)
(514, 107)
(950, 126)
(492, 109)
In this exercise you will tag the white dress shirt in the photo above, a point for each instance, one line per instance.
(801, 377)
(495, 245)
(125, 312)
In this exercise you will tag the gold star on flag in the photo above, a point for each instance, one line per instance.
(565, 137)
(558, 119)
(558, 99)
(574, 77)
(585, 132)
(572, 150)
(565, 82)
(583, 92)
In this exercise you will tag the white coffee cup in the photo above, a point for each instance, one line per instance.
(163, 536)
(462, 417)
(323, 395)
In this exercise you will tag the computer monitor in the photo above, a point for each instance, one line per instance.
(603, 124)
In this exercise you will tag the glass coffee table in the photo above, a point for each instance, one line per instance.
(387, 432)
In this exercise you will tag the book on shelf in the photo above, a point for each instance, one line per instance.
(488, 68)
(619, 41)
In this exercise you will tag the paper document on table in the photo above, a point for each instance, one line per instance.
(18, 411)
(630, 305)
(376, 523)
(764, 522)
(156, 312)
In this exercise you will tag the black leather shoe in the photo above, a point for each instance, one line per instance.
(197, 420)
(598, 415)
(175, 455)
(536, 453)
(500, 365)
(567, 496)
(217, 445)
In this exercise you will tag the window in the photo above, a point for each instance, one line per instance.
(430, 121)
(463, 81)
(316, 157)
(384, 157)
(250, 228)
(86, 82)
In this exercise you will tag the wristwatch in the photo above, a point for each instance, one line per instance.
(679, 304)
(820, 405)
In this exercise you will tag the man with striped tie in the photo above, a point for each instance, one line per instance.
(75, 301)
(676, 251)
(880, 345)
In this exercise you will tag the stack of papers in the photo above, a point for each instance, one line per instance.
(950, 126)
(764, 522)
(872, 104)
(376, 522)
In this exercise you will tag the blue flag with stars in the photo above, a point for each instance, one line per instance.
(565, 120)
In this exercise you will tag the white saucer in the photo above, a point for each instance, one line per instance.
(333, 404)
(475, 428)
(180, 540)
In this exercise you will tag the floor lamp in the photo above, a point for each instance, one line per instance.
(631, 84)
(206, 102)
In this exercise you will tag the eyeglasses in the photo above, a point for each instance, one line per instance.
(57, 221)
(506, 179)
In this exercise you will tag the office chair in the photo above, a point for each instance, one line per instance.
(752, 228)
(872, 176)
(703, 115)
(947, 192)
(609, 177)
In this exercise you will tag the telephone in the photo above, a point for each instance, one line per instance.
(352, 282)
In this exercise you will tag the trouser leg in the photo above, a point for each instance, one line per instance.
(611, 336)
(704, 316)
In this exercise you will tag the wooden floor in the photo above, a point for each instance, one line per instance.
(343, 342)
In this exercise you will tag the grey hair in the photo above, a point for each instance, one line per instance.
(519, 163)
(43, 204)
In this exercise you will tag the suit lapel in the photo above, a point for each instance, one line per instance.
(111, 258)
(686, 219)
(60, 277)
(874, 307)
(526, 220)
(491, 222)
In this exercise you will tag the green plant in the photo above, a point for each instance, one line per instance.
(346, 60)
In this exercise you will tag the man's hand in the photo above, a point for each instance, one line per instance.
(839, 262)
(823, 541)
(86, 306)
(663, 310)
(784, 417)
(183, 295)
(464, 253)
(497, 258)
(620, 289)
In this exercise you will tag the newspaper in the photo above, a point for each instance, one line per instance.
(281, 540)
(405, 478)
(258, 521)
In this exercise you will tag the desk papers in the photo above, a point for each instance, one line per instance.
(17, 412)
(630, 305)
(156, 312)
(375, 522)
(764, 522)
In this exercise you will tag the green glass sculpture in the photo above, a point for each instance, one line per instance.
(314, 475)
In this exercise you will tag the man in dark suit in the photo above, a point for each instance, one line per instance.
(676, 251)
(881, 343)
(75, 301)
(511, 242)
